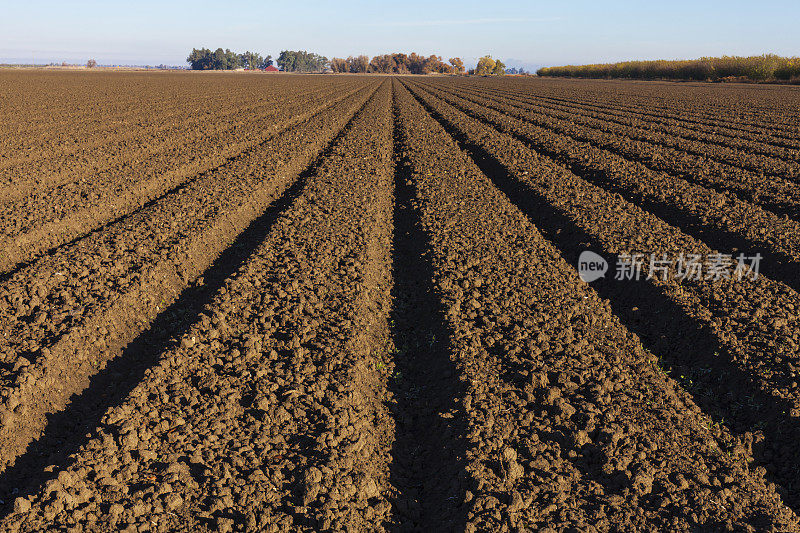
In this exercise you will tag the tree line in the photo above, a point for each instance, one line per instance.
(398, 63)
(303, 61)
(288, 60)
(414, 63)
(767, 67)
(205, 59)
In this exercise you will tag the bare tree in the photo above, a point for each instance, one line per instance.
(384, 64)
(91, 63)
(338, 65)
(358, 64)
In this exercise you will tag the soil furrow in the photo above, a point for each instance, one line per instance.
(776, 192)
(682, 106)
(639, 115)
(571, 424)
(250, 302)
(70, 429)
(674, 137)
(48, 221)
(714, 336)
(68, 314)
(100, 143)
(429, 448)
(747, 154)
(144, 101)
(157, 149)
(779, 195)
(268, 414)
(720, 218)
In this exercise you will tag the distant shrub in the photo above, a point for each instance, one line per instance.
(91, 63)
(757, 68)
(789, 71)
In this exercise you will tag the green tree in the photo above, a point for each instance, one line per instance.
(499, 68)
(200, 59)
(225, 59)
(251, 60)
(205, 59)
(301, 61)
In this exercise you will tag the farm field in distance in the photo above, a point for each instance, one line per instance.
(240, 302)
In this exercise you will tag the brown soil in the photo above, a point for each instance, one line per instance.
(240, 303)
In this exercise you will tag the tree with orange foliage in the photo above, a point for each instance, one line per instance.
(458, 65)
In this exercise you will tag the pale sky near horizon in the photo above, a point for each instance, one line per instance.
(524, 33)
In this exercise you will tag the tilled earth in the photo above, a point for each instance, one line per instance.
(270, 303)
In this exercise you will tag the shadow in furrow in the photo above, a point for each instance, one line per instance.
(69, 429)
(696, 357)
(775, 265)
(428, 455)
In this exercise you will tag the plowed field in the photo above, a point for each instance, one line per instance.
(271, 303)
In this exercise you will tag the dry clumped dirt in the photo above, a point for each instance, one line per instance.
(244, 303)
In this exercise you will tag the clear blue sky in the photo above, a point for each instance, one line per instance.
(530, 33)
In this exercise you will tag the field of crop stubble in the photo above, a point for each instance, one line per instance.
(246, 302)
